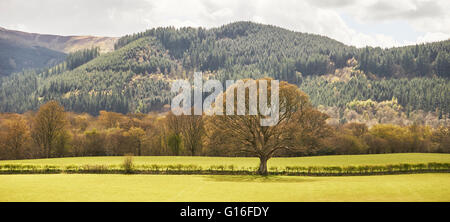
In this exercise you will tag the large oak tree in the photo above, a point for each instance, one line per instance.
(299, 126)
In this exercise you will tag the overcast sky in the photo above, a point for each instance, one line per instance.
(382, 23)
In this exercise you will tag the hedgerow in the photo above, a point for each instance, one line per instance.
(402, 168)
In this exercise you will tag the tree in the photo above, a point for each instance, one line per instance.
(423, 63)
(62, 144)
(192, 130)
(441, 137)
(407, 62)
(16, 136)
(137, 136)
(357, 129)
(395, 136)
(94, 143)
(443, 64)
(110, 119)
(48, 124)
(347, 144)
(173, 124)
(174, 142)
(298, 127)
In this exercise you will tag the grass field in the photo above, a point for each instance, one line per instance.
(191, 188)
(337, 160)
(119, 187)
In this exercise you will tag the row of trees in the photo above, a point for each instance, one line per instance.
(357, 138)
(70, 134)
(386, 112)
(300, 130)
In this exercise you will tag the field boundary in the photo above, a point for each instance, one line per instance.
(180, 169)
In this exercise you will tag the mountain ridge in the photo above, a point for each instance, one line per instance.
(65, 44)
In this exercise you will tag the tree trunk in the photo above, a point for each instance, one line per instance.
(139, 148)
(48, 151)
(263, 166)
(193, 150)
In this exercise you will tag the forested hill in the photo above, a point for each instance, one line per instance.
(136, 76)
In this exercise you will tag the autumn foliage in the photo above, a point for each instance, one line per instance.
(53, 132)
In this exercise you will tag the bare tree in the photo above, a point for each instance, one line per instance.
(192, 131)
(190, 128)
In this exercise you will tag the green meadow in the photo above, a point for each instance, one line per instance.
(141, 187)
(191, 188)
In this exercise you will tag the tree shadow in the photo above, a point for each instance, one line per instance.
(258, 179)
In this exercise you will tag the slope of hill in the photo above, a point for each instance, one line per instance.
(21, 50)
(136, 76)
(64, 44)
(15, 57)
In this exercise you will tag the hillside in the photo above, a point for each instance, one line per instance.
(136, 76)
(15, 57)
(22, 50)
(65, 44)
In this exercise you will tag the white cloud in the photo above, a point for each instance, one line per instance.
(20, 27)
(432, 37)
(429, 19)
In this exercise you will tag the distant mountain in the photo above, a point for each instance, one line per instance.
(136, 76)
(15, 57)
(21, 50)
(65, 44)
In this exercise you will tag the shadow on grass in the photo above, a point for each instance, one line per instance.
(257, 179)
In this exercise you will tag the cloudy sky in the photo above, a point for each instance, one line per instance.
(382, 23)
